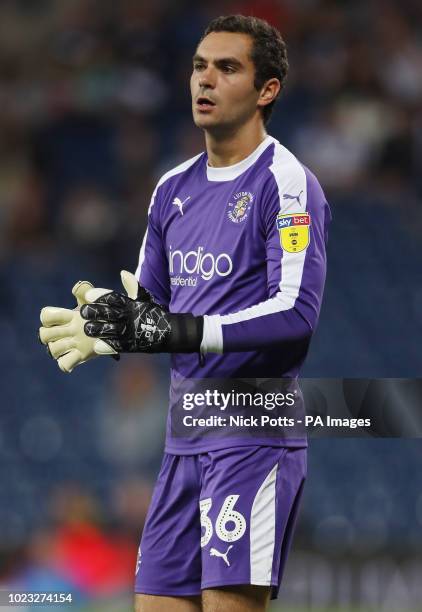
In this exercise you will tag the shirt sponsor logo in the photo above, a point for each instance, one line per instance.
(239, 206)
(294, 231)
(197, 263)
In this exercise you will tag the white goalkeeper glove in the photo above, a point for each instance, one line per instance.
(63, 329)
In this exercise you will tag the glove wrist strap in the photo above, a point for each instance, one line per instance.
(186, 334)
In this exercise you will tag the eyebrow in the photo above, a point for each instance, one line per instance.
(222, 60)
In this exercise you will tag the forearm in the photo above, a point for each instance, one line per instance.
(237, 332)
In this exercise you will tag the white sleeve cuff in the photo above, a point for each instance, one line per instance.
(212, 339)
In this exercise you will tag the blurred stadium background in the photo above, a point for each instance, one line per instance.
(94, 107)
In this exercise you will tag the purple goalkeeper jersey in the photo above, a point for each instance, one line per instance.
(243, 245)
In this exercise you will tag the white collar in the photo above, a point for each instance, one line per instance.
(228, 173)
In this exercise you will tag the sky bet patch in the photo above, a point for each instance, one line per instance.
(294, 231)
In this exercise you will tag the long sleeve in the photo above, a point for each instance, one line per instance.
(295, 217)
(152, 271)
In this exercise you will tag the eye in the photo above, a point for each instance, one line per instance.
(228, 69)
(198, 65)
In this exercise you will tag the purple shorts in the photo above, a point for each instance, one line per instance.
(220, 518)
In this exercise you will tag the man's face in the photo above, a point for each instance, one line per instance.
(222, 82)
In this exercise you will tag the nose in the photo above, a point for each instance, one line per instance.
(207, 78)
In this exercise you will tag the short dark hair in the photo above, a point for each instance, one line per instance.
(269, 52)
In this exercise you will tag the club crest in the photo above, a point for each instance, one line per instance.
(294, 231)
(239, 206)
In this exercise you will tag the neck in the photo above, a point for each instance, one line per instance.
(230, 148)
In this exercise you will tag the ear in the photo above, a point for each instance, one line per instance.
(269, 92)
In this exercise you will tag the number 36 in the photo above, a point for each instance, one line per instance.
(226, 515)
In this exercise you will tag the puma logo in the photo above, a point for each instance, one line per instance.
(178, 202)
(287, 196)
(216, 553)
(138, 561)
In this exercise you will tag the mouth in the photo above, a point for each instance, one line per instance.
(204, 104)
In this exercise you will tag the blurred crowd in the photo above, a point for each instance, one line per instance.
(94, 107)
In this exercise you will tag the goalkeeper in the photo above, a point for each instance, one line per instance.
(230, 281)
